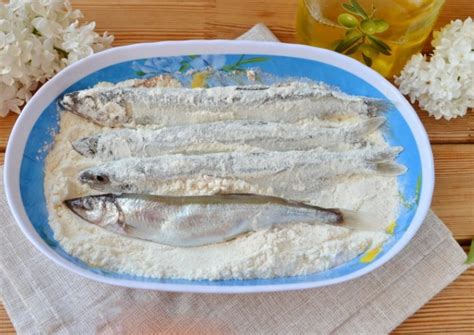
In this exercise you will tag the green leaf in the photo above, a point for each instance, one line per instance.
(353, 49)
(418, 190)
(193, 56)
(470, 255)
(347, 43)
(253, 60)
(184, 66)
(347, 20)
(349, 8)
(140, 73)
(227, 68)
(359, 9)
(380, 45)
(367, 60)
(240, 59)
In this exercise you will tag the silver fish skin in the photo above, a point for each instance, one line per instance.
(220, 136)
(195, 221)
(164, 107)
(263, 169)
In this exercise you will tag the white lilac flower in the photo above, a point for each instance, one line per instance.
(38, 38)
(444, 84)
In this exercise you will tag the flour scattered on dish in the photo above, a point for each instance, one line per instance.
(345, 163)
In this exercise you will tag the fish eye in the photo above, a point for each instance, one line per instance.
(101, 178)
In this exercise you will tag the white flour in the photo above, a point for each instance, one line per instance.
(294, 250)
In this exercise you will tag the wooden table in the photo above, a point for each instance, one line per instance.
(136, 21)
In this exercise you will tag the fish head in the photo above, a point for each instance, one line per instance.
(86, 146)
(96, 179)
(102, 179)
(102, 108)
(101, 210)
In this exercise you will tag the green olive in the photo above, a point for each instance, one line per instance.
(380, 26)
(347, 20)
(353, 33)
(368, 50)
(368, 27)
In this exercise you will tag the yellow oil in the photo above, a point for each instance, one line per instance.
(410, 23)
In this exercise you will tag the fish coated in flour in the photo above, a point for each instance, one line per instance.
(264, 169)
(220, 136)
(197, 220)
(163, 107)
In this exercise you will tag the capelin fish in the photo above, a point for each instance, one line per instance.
(220, 136)
(265, 169)
(201, 220)
(292, 102)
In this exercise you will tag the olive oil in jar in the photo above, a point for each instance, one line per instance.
(383, 34)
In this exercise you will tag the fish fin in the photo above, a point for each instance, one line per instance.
(390, 168)
(376, 106)
(86, 146)
(368, 126)
(68, 102)
(361, 220)
(386, 155)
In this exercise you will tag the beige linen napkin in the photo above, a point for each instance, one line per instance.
(41, 297)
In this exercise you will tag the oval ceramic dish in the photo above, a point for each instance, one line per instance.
(35, 128)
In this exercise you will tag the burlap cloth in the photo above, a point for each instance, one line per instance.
(41, 297)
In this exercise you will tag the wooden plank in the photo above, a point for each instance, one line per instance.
(151, 21)
(6, 125)
(164, 20)
(6, 327)
(451, 311)
(454, 188)
(460, 130)
(235, 17)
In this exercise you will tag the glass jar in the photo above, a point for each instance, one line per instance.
(383, 34)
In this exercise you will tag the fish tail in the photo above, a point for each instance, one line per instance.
(86, 146)
(368, 126)
(390, 168)
(377, 106)
(360, 220)
(383, 162)
(386, 155)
